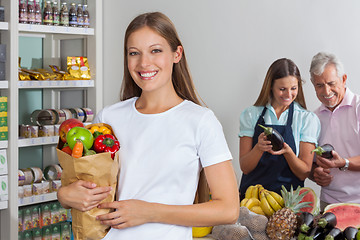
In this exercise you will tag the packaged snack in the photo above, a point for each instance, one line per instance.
(46, 186)
(45, 215)
(35, 216)
(55, 215)
(27, 235)
(62, 213)
(37, 188)
(65, 231)
(55, 232)
(20, 220)
(46, 131)
(46, 233)
(27, 222)
(27, 190)
(36, 234)
(55, 185)
(20, 191)
(78, 68)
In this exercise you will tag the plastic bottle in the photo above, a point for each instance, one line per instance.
(48, 14)
(80, 16)
(73, 16)
(22, 12)
(64, 15)
(31, 12)
(56, 16)
(86, 16)
(38, 16)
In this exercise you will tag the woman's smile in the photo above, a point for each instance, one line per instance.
(148, 75)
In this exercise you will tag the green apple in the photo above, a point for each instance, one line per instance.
(79, 133)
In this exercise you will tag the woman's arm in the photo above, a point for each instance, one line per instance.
(223, 209)
(250, 156)
(82, 195)
(300, 166)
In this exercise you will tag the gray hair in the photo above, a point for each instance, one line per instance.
(321, 60)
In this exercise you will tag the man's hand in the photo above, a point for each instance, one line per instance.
(335, 162)
(322, 176)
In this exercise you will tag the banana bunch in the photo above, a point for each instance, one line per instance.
(261, 201)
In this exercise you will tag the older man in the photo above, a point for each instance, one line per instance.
(339, 115)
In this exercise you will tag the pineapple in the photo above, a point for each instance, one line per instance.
(282, 224)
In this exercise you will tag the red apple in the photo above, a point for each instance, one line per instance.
(67, 125)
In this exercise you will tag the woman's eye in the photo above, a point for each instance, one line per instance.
(132, 53)
(156, 51)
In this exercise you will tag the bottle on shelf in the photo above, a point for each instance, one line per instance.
(31, 12)
(56, 16)
(48, 14)
(80, 15)
(38, 15)
(86, 16)
(73, 16)
(23, 12)
(64, 15)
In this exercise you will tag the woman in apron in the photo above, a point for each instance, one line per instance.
(280, 105)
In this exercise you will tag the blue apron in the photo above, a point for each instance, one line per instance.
(272, 171)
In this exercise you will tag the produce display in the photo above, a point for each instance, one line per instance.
(347, 214)
(262, 201)
(277, 141)
(295, 215)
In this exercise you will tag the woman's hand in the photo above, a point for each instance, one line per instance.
(285, 149)
(263, 143)
(82, 195)
(128, 213)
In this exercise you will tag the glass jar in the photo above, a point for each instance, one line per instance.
(80, 17)
(56, 16)
(64, 15)
(37, 12)
(48, 14)
(73, 16)
(31, 12)
(23, 12)
(86, 16)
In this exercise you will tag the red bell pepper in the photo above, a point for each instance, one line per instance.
(106, 143)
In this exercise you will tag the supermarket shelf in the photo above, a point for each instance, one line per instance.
(4, 84)
(55, 29)
(28, 142)
(56, 84)
(4, 144)
(3, 205)
(37, 199)
(4, 26)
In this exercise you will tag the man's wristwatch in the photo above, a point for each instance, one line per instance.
(346, 166)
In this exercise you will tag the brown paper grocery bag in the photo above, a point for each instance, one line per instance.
(100, 169)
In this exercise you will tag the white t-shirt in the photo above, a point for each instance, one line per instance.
(161, 156)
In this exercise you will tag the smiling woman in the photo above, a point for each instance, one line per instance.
(169, 144)
(281, 106)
